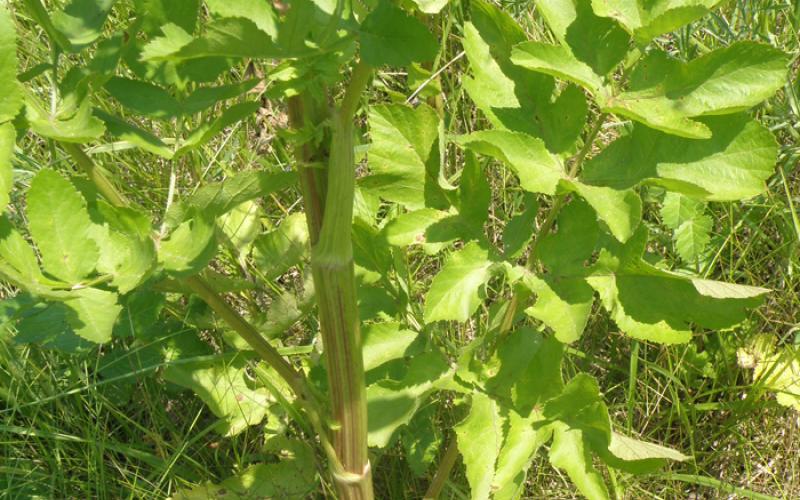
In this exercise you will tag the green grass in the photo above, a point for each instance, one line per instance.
(66, 432)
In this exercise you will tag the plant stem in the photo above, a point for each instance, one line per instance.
(335, 287)
(445, 466)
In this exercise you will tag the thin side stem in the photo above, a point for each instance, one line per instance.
(445, 466)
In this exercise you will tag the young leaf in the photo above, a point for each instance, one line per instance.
(59, 224)
(454, 292)
(402, 145)
(734, 164)
(92, 313)
(692, 237)
(222, 384)
(81, 21)
(9, 86)
(391, 37)
(480, 437)
(537, 169)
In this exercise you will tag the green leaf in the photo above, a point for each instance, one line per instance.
(190, 247)
(18, 262)
(537, 169)
(512, 97)
(519, 230)
(127, 251)
(217, 198)
(422, 439)
(81, 21)
(642, 453)
(569, 453)
(692, 237)
(475, 195)
(93, 313)
(206, 97)
(409, 228)
(620, 210)
(734, 164)
(258, 11)
(125, 131)
(183, 13)
(392, 403)
(384, 342)
(664, 92)
(8, 137)
(59, 224)
(276, 251)
(208, 130)
(391, 37)
(234, 37)
(678, 208)
(144, 98)
(78, 128)
(558, 61)
(652, 304)
(523, 440)
(9, 86)
(775, 369)
(403, 141)
(480, 437)
(564, 306)
(649, 20)
(431, 6)
(222, 384)
(454, 292)
(292, 475)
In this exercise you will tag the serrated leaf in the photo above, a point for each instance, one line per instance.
(631, 450)
(81, 21)
(183, 13)
(678, 208)
(454, 292)
(527, 156)
(511, 97)
(8, 137)
(564, 306)
(59, 224)
(569, 453)
(652, 304)
(692, 237)
(402, 145)
(519, 230)
(431, 6)
(258, 11)
(409, 228)
(293, 475)
(392, 403)
(649, 20)
(775, 369)
(422, 439)
(144, 98)
(664, 93)
(125, 131)
(9, 86)
(217, 198)
(523, 439)
(17, 257)
(620, 210)
(211, 128)
(206, 97)
(391, 37)
(734, 164)
(278, 250)
(222, 384)
(384, 342)
(558, 61)
(475, 195)
(234, 37)
(480, 437)
(93, 313)
(78, 128)
(190, 247)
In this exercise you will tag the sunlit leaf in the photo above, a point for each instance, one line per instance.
(454, 292)
(480, 437)
(9, 86)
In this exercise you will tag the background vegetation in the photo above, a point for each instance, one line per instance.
(70, 429)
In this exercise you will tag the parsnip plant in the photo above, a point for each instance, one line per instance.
(92, 266)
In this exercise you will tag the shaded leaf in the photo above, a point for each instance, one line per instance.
(391, 37)
(81, 21)
(384, 342)
(93, 313)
